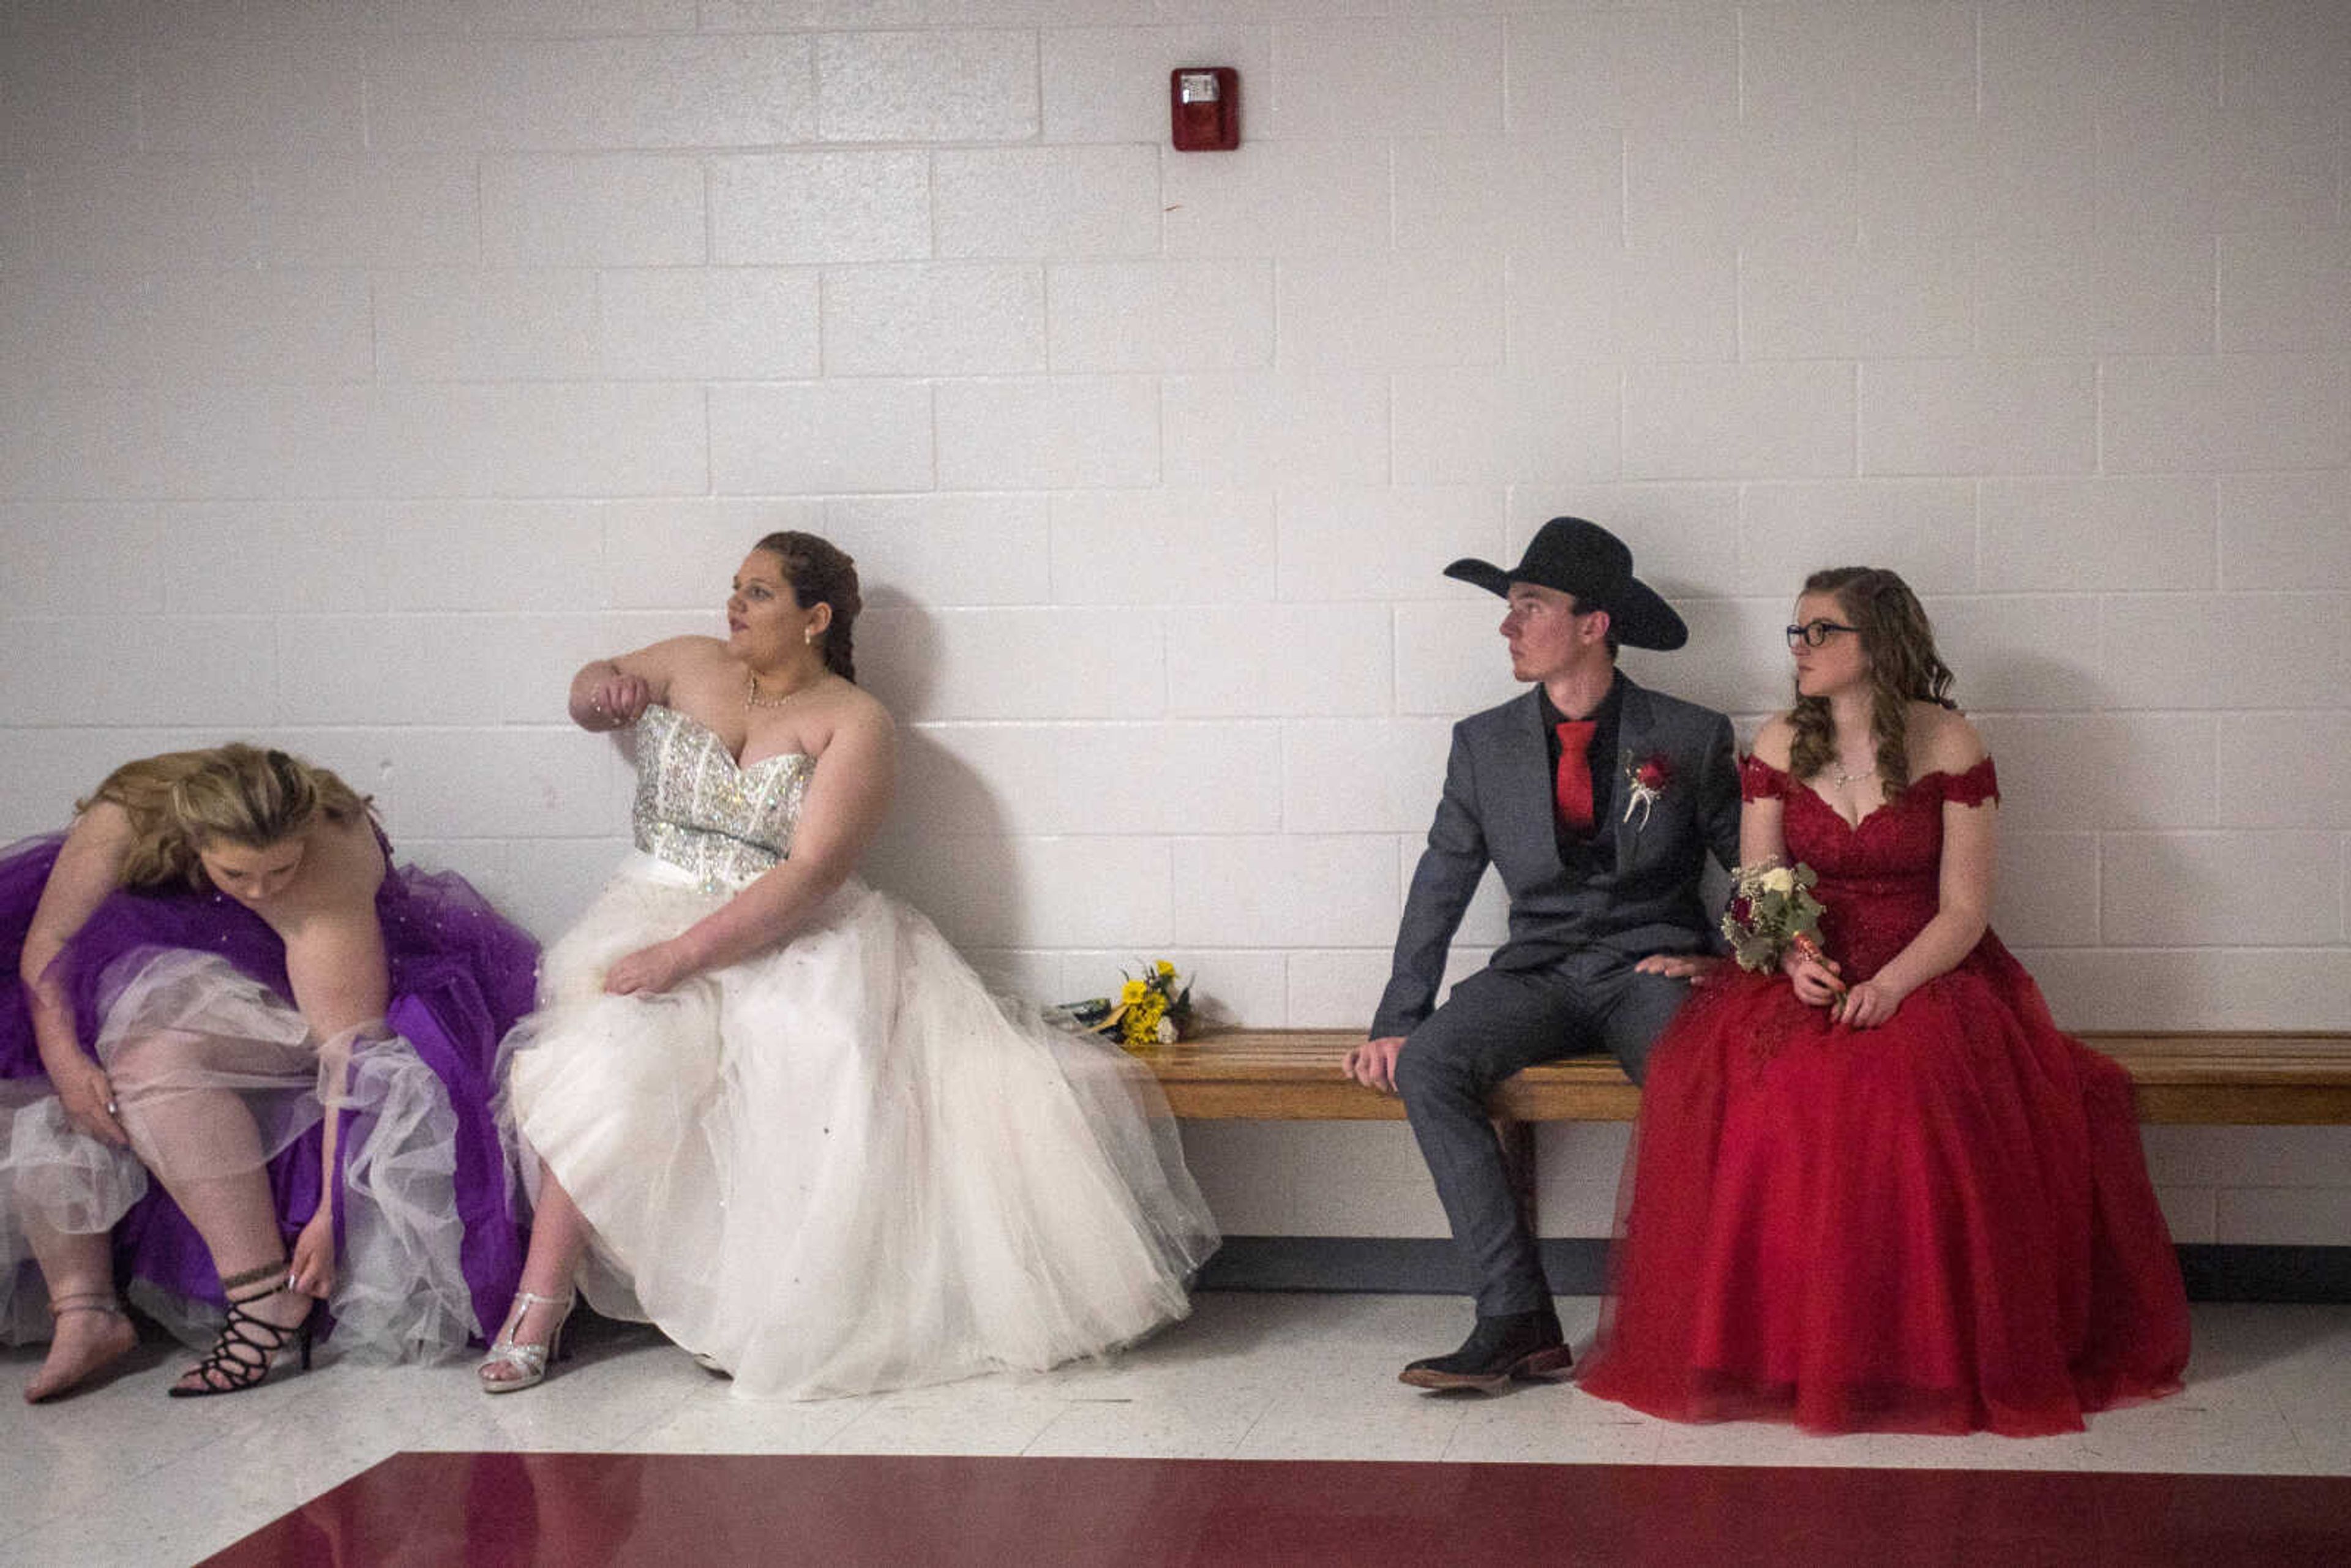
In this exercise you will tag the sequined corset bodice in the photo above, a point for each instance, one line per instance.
(1881, 881)
(696, 809)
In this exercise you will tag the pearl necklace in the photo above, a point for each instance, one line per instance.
(1844, 778)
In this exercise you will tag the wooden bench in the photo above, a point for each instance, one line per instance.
(1292, 1076)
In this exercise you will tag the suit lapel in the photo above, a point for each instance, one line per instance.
(1632, 727)
(1526, 763)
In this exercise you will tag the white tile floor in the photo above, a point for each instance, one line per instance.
(123, 1476)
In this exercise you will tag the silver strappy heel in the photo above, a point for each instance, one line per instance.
(528, 1362)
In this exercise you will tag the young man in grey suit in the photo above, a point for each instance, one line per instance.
(1598, 802)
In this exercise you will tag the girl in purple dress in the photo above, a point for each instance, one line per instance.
(248, 1071)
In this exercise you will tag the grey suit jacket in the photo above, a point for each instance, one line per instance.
(1496, 809)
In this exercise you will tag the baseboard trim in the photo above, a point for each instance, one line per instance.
(2216, 1273)
(1579, 1266)
(1394, 1265)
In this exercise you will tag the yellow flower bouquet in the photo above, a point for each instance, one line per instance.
(1154, 1009)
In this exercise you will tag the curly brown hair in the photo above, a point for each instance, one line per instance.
(821, 573)
(1898, 641)
(180, 801)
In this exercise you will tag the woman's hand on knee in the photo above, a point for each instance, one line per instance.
(88, 1095)
(1867, 1004)
(1373, 1063)
(648, 970)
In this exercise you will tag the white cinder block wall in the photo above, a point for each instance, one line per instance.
(367, 364)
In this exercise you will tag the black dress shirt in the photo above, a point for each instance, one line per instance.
(1596, 849)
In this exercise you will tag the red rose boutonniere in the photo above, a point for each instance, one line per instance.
(1646, 782)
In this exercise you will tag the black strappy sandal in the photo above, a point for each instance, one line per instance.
(247, 1351)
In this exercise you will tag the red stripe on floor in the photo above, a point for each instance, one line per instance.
(676, 1510)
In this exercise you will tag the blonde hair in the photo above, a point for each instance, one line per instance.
(182, 801)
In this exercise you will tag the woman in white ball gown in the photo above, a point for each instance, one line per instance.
(773, 1111)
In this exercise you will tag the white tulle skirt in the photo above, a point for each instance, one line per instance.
(843, 1166)
(215, 1075)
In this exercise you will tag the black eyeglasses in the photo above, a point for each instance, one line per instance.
(1814, 632)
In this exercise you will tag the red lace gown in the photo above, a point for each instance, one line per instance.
(1943, 1224)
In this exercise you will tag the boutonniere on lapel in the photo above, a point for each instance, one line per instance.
(1646, 781)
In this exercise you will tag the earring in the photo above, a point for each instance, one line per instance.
(809, 636)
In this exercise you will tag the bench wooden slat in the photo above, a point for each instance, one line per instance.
(2275, 1080)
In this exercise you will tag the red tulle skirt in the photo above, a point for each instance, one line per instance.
(1941, 1225)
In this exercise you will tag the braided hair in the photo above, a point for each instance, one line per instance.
(821, 572)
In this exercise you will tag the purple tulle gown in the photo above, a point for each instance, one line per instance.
(429, 1231)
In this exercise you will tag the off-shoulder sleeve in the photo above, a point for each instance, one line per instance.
(1758, 780)
(1974, 787)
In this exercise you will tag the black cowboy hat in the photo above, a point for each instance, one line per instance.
(1588, 561)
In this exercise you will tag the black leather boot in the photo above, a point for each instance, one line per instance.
(1526, 1346)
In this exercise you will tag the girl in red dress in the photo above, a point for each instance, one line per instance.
(1885, 1193)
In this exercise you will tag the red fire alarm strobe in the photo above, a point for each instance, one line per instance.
(1205, 103)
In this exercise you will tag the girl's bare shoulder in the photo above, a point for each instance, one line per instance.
(1942, 740)
(1776, 740)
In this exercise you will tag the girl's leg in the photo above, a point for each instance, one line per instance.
(91, 1329)
(558, 1240)
(201, 1143)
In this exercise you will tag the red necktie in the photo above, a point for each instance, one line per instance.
(1575, 773)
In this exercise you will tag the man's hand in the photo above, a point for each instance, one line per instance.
(1373, 1063)
(1698, 968)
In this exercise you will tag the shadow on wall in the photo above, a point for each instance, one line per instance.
(945, 847)
(2072, 785)
(1734, 663)
(898, 653)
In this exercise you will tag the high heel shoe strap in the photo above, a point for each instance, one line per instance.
(223, 1370)
(529, 1358)
(274, 1274)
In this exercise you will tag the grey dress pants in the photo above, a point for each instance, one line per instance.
(1496, 1022)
